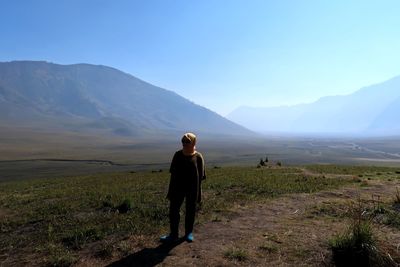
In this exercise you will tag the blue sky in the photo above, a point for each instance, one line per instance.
(220, 54)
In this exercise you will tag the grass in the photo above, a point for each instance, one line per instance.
(268, 247)
(392, 218)
(358, 245)
(62, 216)
(58, 256)
(354, 246)
(359, 171)
(236, 254)
(396, 200)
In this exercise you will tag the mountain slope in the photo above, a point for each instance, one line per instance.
(84, 96)
(388, 120)
(370, 110)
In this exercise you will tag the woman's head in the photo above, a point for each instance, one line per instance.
(188, 139)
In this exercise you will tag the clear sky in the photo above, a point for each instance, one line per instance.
(220, 54)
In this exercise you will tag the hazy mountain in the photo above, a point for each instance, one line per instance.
(83, 97)
(388, 120)
(370, 110)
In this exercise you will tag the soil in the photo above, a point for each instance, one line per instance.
(291, 230)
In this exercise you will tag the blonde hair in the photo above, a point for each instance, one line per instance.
(189, 138)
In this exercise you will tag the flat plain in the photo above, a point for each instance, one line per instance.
(83, 201)
(29, 153)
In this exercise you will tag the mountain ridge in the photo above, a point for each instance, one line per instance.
(86, 96)
(357, 113)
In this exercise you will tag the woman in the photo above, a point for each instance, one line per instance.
(187, 171)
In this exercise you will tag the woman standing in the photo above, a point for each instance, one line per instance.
(187, 171)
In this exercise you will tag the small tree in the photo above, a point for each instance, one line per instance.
(266, 159)
(262, 163)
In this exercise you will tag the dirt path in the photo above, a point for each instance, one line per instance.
(284, 231)
(292, 230)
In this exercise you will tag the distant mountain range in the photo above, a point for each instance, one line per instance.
(90, 98)
(373, 110)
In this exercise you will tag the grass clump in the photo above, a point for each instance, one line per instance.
(357, 246)
(392, 218)
(268, 247)
(236, 254)
(106, 250)
(81, 236)
(354, 247)
(396, 200)
(124, 248)
(58, 256)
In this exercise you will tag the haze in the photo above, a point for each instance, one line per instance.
(218, 54)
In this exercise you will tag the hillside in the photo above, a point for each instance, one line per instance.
(89, 98)
(371, 110)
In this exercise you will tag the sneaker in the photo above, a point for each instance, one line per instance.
(189, 237)
(168, 238)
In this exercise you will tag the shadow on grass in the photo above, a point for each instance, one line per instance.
(147, 257)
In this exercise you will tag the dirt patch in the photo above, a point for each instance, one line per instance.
(287, 231)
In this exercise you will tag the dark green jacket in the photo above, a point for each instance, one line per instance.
(187, 172)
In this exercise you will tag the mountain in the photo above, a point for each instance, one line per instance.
(372, 110)
(388, 119)
(84, 97)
